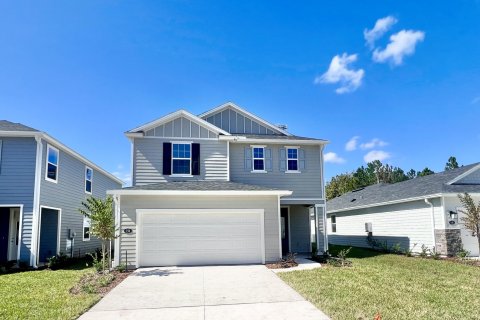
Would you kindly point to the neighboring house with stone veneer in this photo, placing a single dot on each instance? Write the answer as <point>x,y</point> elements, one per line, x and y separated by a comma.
<point>421,211</point>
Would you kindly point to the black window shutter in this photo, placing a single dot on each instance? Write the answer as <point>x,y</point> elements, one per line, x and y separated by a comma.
<point>195,159</point>
<point>167,158</point>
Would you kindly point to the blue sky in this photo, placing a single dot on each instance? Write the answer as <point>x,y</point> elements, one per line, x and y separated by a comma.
<point>85,72</point>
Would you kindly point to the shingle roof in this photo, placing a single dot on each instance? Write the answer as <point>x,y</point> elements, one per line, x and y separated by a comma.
<point>418,187</point>
<point>276,136</point>
<point>201,185</point>
<point>11,126</point>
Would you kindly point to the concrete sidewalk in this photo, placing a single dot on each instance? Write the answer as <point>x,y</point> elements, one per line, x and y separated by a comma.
<point>211,292</point>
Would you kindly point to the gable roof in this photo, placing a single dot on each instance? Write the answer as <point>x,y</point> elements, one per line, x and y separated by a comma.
<point>12,126</point>
<point>417,188</point>
<point>174,115</point>
<point>245,112</point>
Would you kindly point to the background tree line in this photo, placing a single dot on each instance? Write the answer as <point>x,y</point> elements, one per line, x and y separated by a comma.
<point>376,172</point>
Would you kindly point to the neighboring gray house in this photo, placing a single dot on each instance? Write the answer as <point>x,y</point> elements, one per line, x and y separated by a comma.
<point>421,211</point>
<point>224,187</point>
<point>42,185</point>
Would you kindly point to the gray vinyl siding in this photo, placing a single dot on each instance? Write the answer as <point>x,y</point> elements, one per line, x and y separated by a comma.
<point>148,160</point>
<point>181,128</point>
<point>307,184</point>
<point>129,205</point>
<point>299,229</point>
<point>406,223</point>
<point>68,193</point>
<point>17,181</point>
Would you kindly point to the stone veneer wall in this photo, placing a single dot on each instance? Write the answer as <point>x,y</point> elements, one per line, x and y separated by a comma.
<point>448,241</point>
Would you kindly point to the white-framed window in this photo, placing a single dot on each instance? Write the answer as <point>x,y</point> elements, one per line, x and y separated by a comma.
<point>88,180</point>
<point>51,170</point>
<point>258,158</point>
<point>181,158</point>
<point>333,221</point>
<point>86,229</point>
<point>292,159</point>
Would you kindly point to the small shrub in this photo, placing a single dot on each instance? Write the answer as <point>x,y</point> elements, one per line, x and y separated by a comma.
<point>97,262</point>
<point>409,252</point>
<point>424,251</point>
<point>22,264</point>
<point>89,288</point>
<point>58,261</point>
<point>341,259</point>
<point>314,250</point>
<point>105,280</point>
<point>435,254</point>
<point>462,254</point>
<point>396,248</point>
<point>122,267</point>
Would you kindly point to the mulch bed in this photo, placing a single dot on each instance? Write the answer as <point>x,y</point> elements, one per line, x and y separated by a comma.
<point>92,280</point>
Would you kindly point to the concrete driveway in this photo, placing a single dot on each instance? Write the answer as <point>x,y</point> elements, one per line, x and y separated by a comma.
<point>211,292</point>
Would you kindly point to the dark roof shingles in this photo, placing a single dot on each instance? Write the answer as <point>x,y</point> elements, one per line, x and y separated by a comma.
<point>201,185</point>
<point>418,187</point>
<point>11,126</point>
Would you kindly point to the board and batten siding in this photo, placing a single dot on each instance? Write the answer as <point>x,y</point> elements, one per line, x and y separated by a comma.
<point>235,122</point>
<point>68,194</point>
<point>306,184</point>
<point>406,223</point>
<point>181,127</point>
<point>148,160</point>
<point>129,205</point>
<point>17,182</point>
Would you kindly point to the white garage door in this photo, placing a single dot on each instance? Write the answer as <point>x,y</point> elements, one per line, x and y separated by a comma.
<point>197,237</point>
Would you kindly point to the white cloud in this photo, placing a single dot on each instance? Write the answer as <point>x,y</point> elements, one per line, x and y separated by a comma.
<point>376,155</point>
<point>351,145</point>
<point>339,72</point>
<point>332,157</point>
<point>401,44</point>
<point>374,143</point>
<point>381,27</point>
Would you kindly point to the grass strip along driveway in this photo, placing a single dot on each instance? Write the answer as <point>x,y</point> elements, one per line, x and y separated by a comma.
<point>44,294</point>
<point>394,286</point>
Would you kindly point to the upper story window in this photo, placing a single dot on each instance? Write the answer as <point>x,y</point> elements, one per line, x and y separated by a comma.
<point>181,158</point>
<point>258,158</point>
<point>86,228</point>
<point>333,220</point>
<point>88,180</point>
<point>51,172</point>
<point>292,159</point>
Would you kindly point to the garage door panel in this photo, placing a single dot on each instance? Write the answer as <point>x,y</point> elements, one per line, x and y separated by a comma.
<point>170,238</point>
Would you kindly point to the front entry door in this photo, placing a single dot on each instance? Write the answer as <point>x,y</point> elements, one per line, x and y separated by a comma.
<point>4,225</point>
<point>284,230</point>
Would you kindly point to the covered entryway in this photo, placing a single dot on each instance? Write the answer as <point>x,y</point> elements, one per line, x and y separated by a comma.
<point>9,233</point>
<point>49,234</point>
<point>174,237</point>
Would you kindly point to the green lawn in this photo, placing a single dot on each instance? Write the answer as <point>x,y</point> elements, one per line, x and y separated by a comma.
<point>43,294</point>
<point>395,286</point>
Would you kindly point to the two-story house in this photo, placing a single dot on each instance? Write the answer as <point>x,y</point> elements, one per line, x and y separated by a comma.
<point>42,185</point>
<point>224,187</point>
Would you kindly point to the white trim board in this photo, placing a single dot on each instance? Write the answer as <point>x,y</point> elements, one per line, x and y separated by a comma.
<point>199,193</point>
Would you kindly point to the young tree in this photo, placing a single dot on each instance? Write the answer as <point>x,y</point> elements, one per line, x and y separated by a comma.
<point>412,174</point>
<point>102,220</point>
<point>451,164</point>
<point>471,220</point>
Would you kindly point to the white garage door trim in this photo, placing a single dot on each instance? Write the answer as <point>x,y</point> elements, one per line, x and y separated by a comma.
<point>139,212</point>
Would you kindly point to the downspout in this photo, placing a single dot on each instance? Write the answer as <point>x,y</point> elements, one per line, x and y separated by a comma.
<point>118,225</point>
<point>433,221</point>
